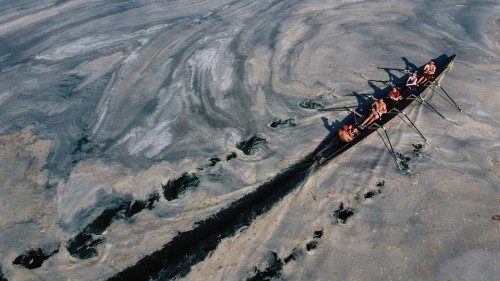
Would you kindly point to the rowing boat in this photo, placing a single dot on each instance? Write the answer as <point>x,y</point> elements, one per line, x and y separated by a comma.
<point>332,146</point>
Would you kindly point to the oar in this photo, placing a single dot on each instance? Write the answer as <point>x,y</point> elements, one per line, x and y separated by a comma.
<point>437,112</point>
<point>442,97</point>
<point>403,70</point>
<point>432,107</point>
<point>389,147</point>
<point>340,108</point>
<point>413,126</point>
<point>446,93</point>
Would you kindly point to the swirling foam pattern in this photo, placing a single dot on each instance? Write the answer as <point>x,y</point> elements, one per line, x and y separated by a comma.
<point>131,94</point>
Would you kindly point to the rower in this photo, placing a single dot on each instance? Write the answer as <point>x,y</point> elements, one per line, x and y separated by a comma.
<point>429,70</point>
<point>395,94</point>
<point>411,83</point>
<point>347,132</point>
<point>393,97</point>
<point>378,109</point>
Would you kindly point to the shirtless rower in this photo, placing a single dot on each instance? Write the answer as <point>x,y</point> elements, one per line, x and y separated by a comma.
<point>378,108</point>
<point>429,70</point>
<point>411,84</point>
<point>347,132</point>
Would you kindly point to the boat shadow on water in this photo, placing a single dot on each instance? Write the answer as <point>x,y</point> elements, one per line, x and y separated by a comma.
<point>188,248</point>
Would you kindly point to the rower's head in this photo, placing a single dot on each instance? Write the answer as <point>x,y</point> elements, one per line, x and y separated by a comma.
<point>432,61</point>
<point>414,74</point>
<point>346,127</point>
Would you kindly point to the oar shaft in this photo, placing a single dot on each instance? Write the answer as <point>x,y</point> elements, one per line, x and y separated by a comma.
<point>432,107</point>
<point>452,104</point>
<point>390,144</point>
<point>446,93</point>
<point>389,147</point>
<point>411,125</point>
<point>340,108</point>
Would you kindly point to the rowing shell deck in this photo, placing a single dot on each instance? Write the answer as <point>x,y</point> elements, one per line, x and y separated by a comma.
<point>332,146</point>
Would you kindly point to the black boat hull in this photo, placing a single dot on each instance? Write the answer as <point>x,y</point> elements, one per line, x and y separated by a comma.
<point>333,146</point>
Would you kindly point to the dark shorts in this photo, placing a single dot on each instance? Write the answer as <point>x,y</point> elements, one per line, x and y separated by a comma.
<point>428,76</point>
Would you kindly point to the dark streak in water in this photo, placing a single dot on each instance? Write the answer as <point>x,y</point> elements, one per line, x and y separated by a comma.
<point>282,122</point>
<point>174,188</point>
<point>247,146</point>
<point>342,214</point>
<point>273,269</point>
<point>190,247</point>
<point>214,161</point>
<point>296,252</point>
<point>311,104</point>
<point>311,245</point>
<point>83,245</point>
<point>34,258</point>
<point>231,155</point>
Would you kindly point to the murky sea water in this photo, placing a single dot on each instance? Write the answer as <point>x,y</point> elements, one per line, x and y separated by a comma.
<point>166,139</point>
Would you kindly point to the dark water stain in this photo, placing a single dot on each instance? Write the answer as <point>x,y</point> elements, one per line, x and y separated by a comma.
<point>176,187</point>
<point>2,276</point>
<point>295,254</point>
<point>139,205</point>
<point>231,155</point>
<point>311,245</point>
<point>34,258</point>
<point>283,122</point>
<point>275,265</point>
<point>248,146</point>
<point>272,270</point>
<point>372,193</point>
<point>83,148</point>
<point>417,149</point>
<point>406,160</point>
<point>214,161</point>
<point>311,104</point>
<point>342,214</point>
<point>187,248</point>
<point>83,245</point>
